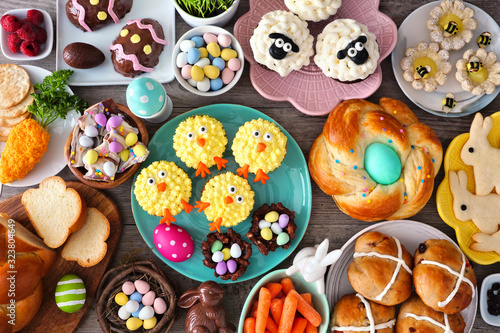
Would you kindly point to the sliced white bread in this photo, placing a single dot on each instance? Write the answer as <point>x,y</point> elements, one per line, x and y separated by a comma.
<point>88,245</point>
<point>54,210</point>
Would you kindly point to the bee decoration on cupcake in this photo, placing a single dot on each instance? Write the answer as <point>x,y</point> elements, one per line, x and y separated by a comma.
<point>422,72</point>
<point>474,65</point>
<point>355,50</point>
<point>449,102</point>
<point>450,29</point>
<point>282,46</point>
<point>484,40</point>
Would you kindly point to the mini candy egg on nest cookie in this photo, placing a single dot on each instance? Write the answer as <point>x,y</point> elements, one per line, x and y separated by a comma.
<point>259,146</point>
<point>163,189</point>
<point>199,142</point>
<point>70,293</point>
<point>226,200</point>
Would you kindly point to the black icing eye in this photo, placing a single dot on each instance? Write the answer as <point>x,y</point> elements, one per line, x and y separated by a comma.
<point>232,189</point>
<point>151,181</point>
<point>162,174</point>
<point>256,134</point>
<point>279,42</point>
<point>190,136</point>
<point>268,136</point>
<point>471,150</point>
<point>463,207</point>
<point>352,52</point>
<point>359,46</point>
<point>239,199</point>
<point>202,130</point>
<point>287,47</point>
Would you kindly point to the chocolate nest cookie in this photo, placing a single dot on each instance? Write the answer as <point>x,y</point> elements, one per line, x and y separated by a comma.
<point>227,254</point>
<point>272,227</point>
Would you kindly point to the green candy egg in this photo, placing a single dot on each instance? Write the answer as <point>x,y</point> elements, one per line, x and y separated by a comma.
<point>70,293</point>
<point>382,163</point>
<point>216,246</point>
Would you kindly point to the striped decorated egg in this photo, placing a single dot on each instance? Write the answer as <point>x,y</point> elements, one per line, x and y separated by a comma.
<point>70,293</point>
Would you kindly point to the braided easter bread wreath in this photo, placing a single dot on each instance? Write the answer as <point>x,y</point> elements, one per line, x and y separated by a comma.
<point>358,139</point>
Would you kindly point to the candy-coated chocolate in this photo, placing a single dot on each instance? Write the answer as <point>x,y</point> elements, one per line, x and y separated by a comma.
<point>272,216</point>
<point>227,253</point>
<point>136,296</point>
<point>283,220</point>
<point>203,85</point>
<point>218,256</point>
<point>181,59</point>
<point>128,288</point>
<point>213,49</point>
<point>219,63</point>
<point>139,150</point>
<point>147,312</point>
<point>224,40</point>
<point>134,324</point>
<point>282,239</point>
<point>131,139</point>
<point>186,45</point>
<point>173,242</point>
<point>115,147</point>
<point>121,299</point>
<point>142,286</point>
<point>209,38</point>
<point>235,251</point>
<point>136,313</point>
<point>186,72</point>
<point>132,306</point>
<point>266,233</point>
<point>221,268</point>
<point>193,55</point>
<point>114,122</point>
<point>231,266</point>
<point>382,163</point>
<point>197,73</point>
<point>216,246</point>
<point>227,75</point>
<point>149,323</point>
<point>264,224</point>
<point>192,82</point>
<point>124,155</point>
<point>234,64</point>
<point>91,157</point>
<point>149,298</point>
<point>160,306</point>
<point>101,119</point>
<point>91,131</point>
<point>85,141</point>
<point>203,52</point>
<point>123,313</point>
<point>216,84</point>
<point>276,229</point>
<point>228,54</point>
<point>211,71</point>
<point>203,62</point>
<point>198,41</point>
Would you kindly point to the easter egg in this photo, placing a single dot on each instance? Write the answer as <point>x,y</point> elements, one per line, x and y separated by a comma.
<point>266,233</point>
<point>276,229</point>
<point>264,224</point>
<point>272,216</point>
<point>181,59</point>
<point>234,64</point>
<point>149,323</point>
<point>186,45</point>
<point>109,168</point>
<point>147,312</point>
<point>142,286</point>
<point>235,251</point>
<point>282,239</point>
<point>197,73</point>
<point>128,288</point>
<point>198,41</point>
<point>209,38</point>
<point>131,139</point>
<point>203,52</point>
<point>227,54</point>
<point>159,305</point>
<point>227,253</point>
<point>193,55</point>
<point>85,141</point>
<point>211,71</point>
<point>101,119</point>
<point>139,150</point>
<point>231,266</point>
<point>91,157</point>
<point>114,122</point>
<point>202,63</point>
<point>173,242</point>
<point>133,324</point>
<point>218,256</point>
<point>123,313</point>
<point>124,155</point>
<point>213,49</point>
<point>227,75</point>
<point>136,313</point>
<point>149,298</point>
<point>216,246</point>
<point>224,40</point>
<point>283,220</point>
<point>70,293</point>
<point>186,72</point>
<point>115,147</point>
<point>121,299</point>
<point>145,96</point>
<point>382,163</point>
<point>136,296</point>
<point>221,268</point>
<point>219,63</point>
<point>132,306</point>
<point>91,131</point>
<point>192,82</point>
<point>216,84</point>
<point>203,85</point>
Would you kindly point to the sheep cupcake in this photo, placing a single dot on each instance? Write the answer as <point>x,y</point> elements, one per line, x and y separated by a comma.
<point>281,42</point>
<point>478,72</point>
<point>313,10</point>
<point>347,51</point>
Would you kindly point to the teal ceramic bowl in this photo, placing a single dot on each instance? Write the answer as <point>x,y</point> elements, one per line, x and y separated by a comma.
<point>320,302</point>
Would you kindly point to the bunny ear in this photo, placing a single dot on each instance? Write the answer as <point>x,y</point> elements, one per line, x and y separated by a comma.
<point>454,183</point>
<point>462,179</point>
<point>477,123</point>
<point>189,298</point>
<point>322,250</point>
<point>331,258</point>
<point>487,124</point>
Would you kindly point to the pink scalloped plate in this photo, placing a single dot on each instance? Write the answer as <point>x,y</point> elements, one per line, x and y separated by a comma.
<point>308,89</point>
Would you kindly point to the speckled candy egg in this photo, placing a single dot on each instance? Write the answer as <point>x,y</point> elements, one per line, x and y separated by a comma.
<point>70,293</point>
<point>173,242</point>
<point>145,96</point>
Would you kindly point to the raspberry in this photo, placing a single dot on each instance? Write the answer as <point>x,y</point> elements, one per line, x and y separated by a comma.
<point>31,49</point>
<point>41,35</point>
<point>26,32</point>
<point>13,41</point>
<point>10,23</point>
<point>35,16</point>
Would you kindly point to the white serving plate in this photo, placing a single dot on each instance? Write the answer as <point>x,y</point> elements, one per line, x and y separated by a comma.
<point>104,74</point>
<point>410,234</point>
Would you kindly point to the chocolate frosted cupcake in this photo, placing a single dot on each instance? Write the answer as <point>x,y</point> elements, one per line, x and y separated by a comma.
<point>272,227</point>
<point>227,254</point>
<point>92,15</point>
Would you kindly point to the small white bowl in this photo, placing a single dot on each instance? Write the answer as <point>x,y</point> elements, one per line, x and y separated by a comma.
<point>219,20</point>
<point>45,48</point>
<point>483,299</point>
<point>199,31</point>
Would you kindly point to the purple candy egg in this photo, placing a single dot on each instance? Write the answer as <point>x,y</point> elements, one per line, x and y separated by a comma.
<point>101,119</point>
<point>115,147</point>
<point>221,268</point>
<point>283,220</point>
<point>231,266</point>
<point>114,122</point>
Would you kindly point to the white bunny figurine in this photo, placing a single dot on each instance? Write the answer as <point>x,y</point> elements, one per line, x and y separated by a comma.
<point>484,158</point>
<point>484,211</point>
<point>312,262</point>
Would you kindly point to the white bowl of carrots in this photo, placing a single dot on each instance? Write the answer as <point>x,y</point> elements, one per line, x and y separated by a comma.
<point>284,304</point>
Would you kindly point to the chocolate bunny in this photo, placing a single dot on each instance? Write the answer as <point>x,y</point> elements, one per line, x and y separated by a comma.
<point>207,315</point>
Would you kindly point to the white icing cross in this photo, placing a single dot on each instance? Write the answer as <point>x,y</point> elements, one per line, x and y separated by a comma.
<point>399,260</point>
<point>445,327</point>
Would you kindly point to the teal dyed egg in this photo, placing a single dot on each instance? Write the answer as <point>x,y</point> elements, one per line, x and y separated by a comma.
<point>382,163</point>
<point>70,293</point>
<point>145,97</point>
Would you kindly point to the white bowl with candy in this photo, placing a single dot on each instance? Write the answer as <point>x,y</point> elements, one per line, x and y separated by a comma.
<point>208,61</point>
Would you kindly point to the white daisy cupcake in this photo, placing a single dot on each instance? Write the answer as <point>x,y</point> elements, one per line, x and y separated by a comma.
<point>313,10</point>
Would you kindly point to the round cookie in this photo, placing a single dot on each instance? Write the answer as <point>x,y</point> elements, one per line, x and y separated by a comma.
<point>313,10</point>
<point>14,85</point>
<point>18,109</point>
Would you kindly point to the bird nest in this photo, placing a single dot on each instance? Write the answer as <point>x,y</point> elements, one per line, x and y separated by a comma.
<point>488,62</point>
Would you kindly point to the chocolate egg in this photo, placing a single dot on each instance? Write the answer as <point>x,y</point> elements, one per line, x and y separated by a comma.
<point>82,55</point>
<point>173,242</point>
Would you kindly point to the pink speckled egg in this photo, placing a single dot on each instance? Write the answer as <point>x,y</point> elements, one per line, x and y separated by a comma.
<point>209,38</point>
<point>234,64</point>
<point>142,286</point>
<point>224,40</point>
<point>186,72</point>
<point>128,288</point>
<point>159,306</point>
<point>173,242</point>
<point>227,75</point>
<point>149,298</point>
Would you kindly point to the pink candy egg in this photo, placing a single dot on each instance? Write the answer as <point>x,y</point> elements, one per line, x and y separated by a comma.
<point>224,40</point>
<point>115,147</point>
<point>160,306</point>
<point>114,122</point>
<point>227,75</point>
<point>234,64</point>
<point>149,298</point>
<point>128,288</point>
<point>142,286</point>
<point>101,119</point>
<point>173,242</point>
<point>209,38</point>
<point>186,72</point>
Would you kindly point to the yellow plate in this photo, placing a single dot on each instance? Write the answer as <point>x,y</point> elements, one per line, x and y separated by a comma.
<point>444,198</point>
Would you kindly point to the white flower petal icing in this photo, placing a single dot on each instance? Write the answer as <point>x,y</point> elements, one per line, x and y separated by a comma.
<point>313,10</point>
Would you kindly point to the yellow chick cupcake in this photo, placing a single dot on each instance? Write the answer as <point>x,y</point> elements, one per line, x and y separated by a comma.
<point>226,200</point>
<point>163,189</point>
<point>259,147</point>
<point>199,142</point>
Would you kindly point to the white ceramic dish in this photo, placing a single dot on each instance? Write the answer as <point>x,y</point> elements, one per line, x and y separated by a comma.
<point>483,298</point>
<point>414,30</point>
<point>219,20</point>
<point>410,234</point>
<point>104,74</point>
<point>199,31</point>
<point>53,160</point>
<point>45,48</point>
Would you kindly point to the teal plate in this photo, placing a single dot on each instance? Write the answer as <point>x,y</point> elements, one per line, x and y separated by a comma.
<point>289,184</point>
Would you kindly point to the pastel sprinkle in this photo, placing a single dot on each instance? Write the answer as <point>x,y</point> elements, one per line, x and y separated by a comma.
<point>390,141</point>
<point>364,177</point>
<point>401,131</point>
<point>369,201</point>
<point>364,195</point>
<point>423,180</point>
<point>365,189</point>
<point>355,167</point>
<point>381,118</point>
<point>401,179</point>
<point>342,173</point>
<point>383,129</point>
<point>337,161</point>
<point>419,167</point>
<point>395,111</point>
<point>412,147</point>
<point>352,151</point>
<point>428,176</point>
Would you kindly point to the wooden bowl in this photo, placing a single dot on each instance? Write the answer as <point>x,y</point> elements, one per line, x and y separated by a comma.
<point>120,178</point>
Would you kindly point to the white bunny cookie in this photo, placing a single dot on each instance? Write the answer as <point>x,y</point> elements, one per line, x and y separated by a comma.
<point>484,211</point>
<point>485,159</point>
<point>486,243</point>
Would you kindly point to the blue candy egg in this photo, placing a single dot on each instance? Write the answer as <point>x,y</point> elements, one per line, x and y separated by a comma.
<point>382,163</point>
<point>145,96</point>
<point>198,41</point>
<point>216,84</point>
<point>219,63</point>
<point>136,314</point>
<point>136,296</point>
<point>193,55</point>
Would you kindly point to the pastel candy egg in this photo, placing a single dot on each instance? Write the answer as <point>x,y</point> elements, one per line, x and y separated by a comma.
<point>213,49</point>
<point>211,72</point>
<point>382,163</point>
<point>264,224</point>
<point>149,323</point>
<point>266,233</point>
<point>124,155</point>
<point>218,256</point>
<point>128,288</point>
<point>101,119</point>
<point>203,62</point>
<point>219,63</point>
<point>197,73</point>
<point>123,313</point>
<point>209,38</point>
<point>235,251</point>
<point>149,298</point>
<point>216,246</point>
<point>203,85</point>
<point>198,41</point>
<point>203,52</point>
<point>133,324</point>
<point>221,268</point>
<point>231,266</point>
<point>159,305</point>
<point>186,72</point>
<point>193,55</point>
<point>115,121</point>
<point>272,216</point>
<point>186,45</point>
<point>227,253</point>
<point>85,141</point>
<point>91,157</point>
<point>121,299</point>
<point>234,64</point>
<point>139,150</point>
<point>227,54</point>
<point>142,286</point>
<point>192,82</point>
<point>173,242</point>
<point>276,229</point>
<point>282,239</point>
<point>70,293</point>
<point>147,312</point>
<point>131,139</point>
<point>216,84</point>
<point>91,131</point>
<point>132,306</point>
<point>145,97</point>
<point>224,40</point>
<point>136,313</point>
<point>227,75</point>
<point>181,59</point>
<point>283,220</point>
<point>115,147</point>
<point>136,296</point>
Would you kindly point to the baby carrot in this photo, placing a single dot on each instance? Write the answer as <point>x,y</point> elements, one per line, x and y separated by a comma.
<point>299,325</point>
<point>310,328</point>
<point>271,325</point>
<point>276,309</point>
<point>307,297</point>
<point>274,288</point>
<point>288,314</point>
<point>287,285</point>
<point>249,325</point>
<point>262,310</point>
<point>306,309</point>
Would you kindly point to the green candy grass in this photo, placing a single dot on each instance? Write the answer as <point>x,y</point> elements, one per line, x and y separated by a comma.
<point>205,8</point>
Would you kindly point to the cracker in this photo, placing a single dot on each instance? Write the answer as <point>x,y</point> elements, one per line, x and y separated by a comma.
<point>14,85</point>
<point>13,121</point>
<point>18,109</point>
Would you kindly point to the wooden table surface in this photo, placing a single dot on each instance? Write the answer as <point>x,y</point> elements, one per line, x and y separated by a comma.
<point>326,218</point>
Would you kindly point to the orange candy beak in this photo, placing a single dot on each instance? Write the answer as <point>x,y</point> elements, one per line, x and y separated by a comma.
<point>161,187</point>
<point>228,200</point>
<point>200,142</point>
<point>261,147</point>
